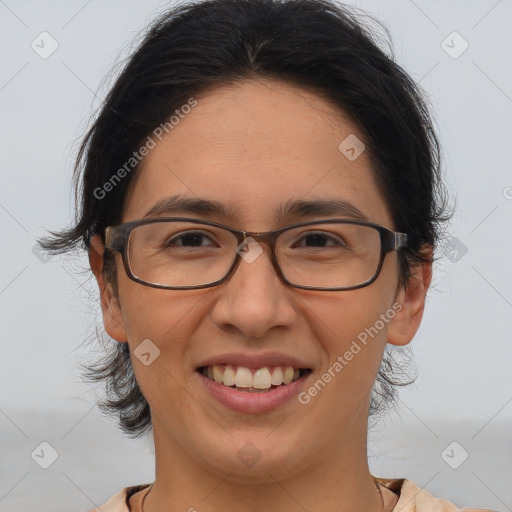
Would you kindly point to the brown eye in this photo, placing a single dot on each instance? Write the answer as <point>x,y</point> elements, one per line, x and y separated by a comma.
<point>188,239</point>
<point>321,240</point>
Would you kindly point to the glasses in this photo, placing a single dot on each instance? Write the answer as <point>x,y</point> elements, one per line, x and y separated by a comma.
<point>182,253</point>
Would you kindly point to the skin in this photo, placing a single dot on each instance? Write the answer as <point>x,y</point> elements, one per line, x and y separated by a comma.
<point>253,145</point>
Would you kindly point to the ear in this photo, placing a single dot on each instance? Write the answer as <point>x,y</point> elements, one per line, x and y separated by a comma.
<point>407,320</point>
<point>111,309</point>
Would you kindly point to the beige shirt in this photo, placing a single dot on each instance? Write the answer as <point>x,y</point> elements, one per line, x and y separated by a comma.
<point>411,499</point>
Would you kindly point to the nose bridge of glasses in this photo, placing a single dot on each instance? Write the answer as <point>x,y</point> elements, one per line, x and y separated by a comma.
<point>247,252</point>
<point>261,237</point>
<point>266,241</point>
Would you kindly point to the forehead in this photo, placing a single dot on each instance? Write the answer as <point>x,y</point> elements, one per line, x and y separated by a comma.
<point>255,147</point>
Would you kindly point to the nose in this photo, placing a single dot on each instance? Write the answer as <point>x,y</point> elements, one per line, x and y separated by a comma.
<point>254,299</point>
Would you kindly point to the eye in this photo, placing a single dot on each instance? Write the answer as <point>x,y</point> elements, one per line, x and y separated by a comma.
<point>319,239</point>
<point>189,239</point>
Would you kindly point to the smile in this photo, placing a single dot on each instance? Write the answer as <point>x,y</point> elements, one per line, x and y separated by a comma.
<point>249,380</point>
<point>236,387</point>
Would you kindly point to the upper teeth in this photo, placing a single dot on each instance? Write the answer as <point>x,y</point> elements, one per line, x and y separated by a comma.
<point>262,378</point>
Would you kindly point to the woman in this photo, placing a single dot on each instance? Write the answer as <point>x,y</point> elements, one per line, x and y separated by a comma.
<point>260,199</point>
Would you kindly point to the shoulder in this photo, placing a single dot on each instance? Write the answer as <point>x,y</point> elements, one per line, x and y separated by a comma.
<point>415,499</point>
<point>119,502</point>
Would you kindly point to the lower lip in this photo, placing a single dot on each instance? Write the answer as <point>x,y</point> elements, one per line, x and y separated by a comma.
<point>253,403</point>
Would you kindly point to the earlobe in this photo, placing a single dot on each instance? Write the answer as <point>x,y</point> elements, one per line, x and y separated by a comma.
<point>406,322</point>
<point>110,307</point>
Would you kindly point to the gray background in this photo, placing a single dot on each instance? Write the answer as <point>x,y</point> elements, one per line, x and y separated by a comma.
<point>463,350</point>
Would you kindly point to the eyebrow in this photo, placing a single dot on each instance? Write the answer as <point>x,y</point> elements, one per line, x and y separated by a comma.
<point>295,208</point>
<point>200,206</point>
<point>329,206</point>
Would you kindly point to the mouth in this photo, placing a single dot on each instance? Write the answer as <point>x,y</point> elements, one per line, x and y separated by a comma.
<point>253,380</point>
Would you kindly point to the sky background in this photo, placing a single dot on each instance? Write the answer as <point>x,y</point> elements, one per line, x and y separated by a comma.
<point>459,51</point>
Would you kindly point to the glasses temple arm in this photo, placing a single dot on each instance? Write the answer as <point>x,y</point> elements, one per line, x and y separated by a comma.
<point>399,240</point>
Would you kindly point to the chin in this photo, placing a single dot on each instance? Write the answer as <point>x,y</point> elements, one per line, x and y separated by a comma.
<point>255,459</point>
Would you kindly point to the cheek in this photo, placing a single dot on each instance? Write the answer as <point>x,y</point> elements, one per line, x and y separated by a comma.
<point>353,326</point>
<point>154,313</point>
<point>168,320</point>
<point>347,320</point>
<point>353,337</point>
<point>346,316</point>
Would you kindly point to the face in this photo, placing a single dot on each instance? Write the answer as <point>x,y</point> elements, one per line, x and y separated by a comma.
<point>253,147</point>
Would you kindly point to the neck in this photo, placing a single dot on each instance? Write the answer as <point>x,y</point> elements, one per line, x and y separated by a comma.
<point>339,480</point>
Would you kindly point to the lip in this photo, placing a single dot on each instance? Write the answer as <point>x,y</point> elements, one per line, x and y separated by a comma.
<point>253,362</point>
<point>253,403</point>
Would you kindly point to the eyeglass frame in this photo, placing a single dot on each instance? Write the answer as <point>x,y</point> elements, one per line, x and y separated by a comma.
<point>117,238</point>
